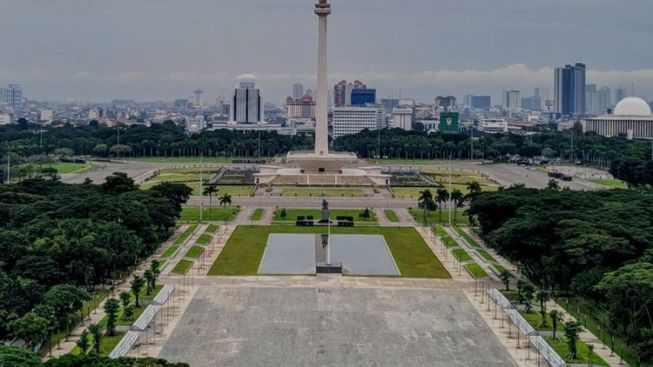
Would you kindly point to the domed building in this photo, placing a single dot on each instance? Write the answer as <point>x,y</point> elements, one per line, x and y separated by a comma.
<point>632,118</point>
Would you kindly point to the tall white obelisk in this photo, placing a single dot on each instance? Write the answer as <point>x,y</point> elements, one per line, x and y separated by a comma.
<point>322,10</point>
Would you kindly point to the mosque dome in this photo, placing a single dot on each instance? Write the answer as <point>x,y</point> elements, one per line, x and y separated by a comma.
<point>632,106</point>
<point>246,78</point>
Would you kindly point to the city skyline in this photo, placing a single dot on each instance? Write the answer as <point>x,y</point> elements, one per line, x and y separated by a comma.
<point>108,53</point>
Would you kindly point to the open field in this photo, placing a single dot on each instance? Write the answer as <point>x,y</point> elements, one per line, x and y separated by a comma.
<point>611,183</point>
<point>321,192</point>
<point>330,327</point>
<point>187,159</point>
<point>244,250</point>
<point>475,270</point>
<point>65,167</point>
<point>192,214</point>
<point>182,267</point>
<point>292,214</point>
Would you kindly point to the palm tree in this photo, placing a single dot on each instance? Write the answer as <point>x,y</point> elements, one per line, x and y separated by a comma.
<point>149,279</point>
<point>225,200</point>
<point>473,188</point>
<point>210,190</point>
<point>96,332</point>
<point>505,277</point>
<point>553,185</point>
<point>458,199</point>
<point>136,285</point>
<point>555,318</point>
<point>543,297</point>
<point>425,201</point>
<point>442,197</point>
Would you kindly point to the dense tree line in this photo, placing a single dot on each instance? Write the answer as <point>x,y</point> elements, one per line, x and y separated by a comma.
<point>15,357</point>
<point>60,241</point>
<point>627,160</point>
<point>595,245</point>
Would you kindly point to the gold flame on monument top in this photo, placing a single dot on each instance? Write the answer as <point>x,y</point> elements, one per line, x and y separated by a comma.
<point>323,2</point>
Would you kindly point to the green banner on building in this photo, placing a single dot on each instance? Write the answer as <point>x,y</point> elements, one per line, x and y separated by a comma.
<point>449,122</point>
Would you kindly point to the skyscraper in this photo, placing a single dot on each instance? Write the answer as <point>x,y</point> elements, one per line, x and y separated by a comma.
<point>363,96</point>
<point>298,91</point>
<point>592,100</point>
<point>446,103</point>
<point>570,89</point>
<point>14,97</point>
<point>342,94</point>
<point>512,100</point>
<point>246,107</point>
<point>605,100</point>
<point>619,94</point>
<point>197,98</point>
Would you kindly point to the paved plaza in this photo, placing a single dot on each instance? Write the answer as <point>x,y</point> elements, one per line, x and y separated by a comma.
<point>242,326</point>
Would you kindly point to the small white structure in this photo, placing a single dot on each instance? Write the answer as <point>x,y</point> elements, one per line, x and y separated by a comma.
<point>5,119</point>
<point>493,126</point>
<point>402,118</point>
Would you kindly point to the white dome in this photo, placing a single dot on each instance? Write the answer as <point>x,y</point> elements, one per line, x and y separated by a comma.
<point>632,106</point>
<point>246,77</point>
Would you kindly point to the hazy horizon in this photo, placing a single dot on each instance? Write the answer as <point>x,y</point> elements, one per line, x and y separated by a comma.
<point>91,50</point>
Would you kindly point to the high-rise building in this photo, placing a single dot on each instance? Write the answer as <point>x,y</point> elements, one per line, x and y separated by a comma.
<point>619,94</point>
<point>446,103</point>
<point>363,96</point>
<point>570,89</point>
<point>480,102</point>
<point>197,98</point>
<point>352,120</point>
<point>592,100</point>
<point>298,91</point>
<point>300,108</point>
<point>511,100</point>
<point>605,100</point>
<point>402,118</point>
<point>533,103</point>
<point>14,97</point>
<point>246,107</point>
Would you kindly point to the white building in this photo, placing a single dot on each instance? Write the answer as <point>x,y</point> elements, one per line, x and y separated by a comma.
<point>198,100</point>
<point>246,107</point>
<point>493,126</point>
<point>402,118</point>
<point>632,118</point>
<point>46,116</point>
<point>5,119</point>
<point>352,120</point>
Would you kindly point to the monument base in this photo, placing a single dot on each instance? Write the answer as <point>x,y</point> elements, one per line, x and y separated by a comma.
<point>324,268</point>
<point>311,163</point>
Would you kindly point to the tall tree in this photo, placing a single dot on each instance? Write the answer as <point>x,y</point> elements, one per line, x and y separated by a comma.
<point>225,200</point>
<point>442,198</point>
<point>96,331</point>
<point>111,308</point>
<point>82,342</point>
<point>458,199</point>
<point>572,333</point>
<point>210,190</point>
<point>543,297</point>
<point>136,285</point>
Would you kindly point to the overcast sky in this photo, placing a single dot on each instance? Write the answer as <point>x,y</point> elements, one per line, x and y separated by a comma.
<point>97,50</point>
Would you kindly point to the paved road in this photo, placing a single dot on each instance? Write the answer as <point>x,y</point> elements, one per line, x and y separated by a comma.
<point>287,202</point>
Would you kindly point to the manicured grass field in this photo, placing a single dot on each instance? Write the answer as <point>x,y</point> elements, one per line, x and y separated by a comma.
<point>204,239</point>
<point>461,254</point>
<point>612,183</point>
<point>475,270</point>
<point>434,216</point>
<point>235,191</point>
<point>184,236</point>
<point>192,214</point>
<point>65,167</point>
<point>391,215</point>
<point>211,228</point>
<point>486,255</point>
<point>321,192</point>
<point>467,237</point>
<point>535,320</point>
<point>169,251</point>
<point>410,192</point>
<point>244,250</point>
<point>257,214</point>
<point>292,214</point>
<point>561,347</point>
<point>182,267</point>
<point>188,159</point>
<point>500,268</point>
<point>194,252</point>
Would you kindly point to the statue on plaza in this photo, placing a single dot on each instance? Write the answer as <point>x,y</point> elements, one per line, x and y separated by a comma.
<point>325,205</point>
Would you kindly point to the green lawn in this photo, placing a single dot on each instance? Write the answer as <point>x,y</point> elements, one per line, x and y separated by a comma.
<point>244,250</point>
<point>321,192</point>
<point>169,251</point>
<point>194,252</point>
<point>434,217</point>
<point>292,214</point>
<point>204,239</point>
<point>65,167</point>
<point>148,297</point>
<point>561,347</point>
<point>188,159</point>
<point>184,236</point>
<point>391,215</point>
<point>182,267</point>
<point>467,237</point>
<point>211,228</point>
<point>256,215</point>
<point>106,345</point>
<point>461,254</point>
<point>500,268</point>
<point>192,214</point>
<point>535,320</point>
<point>486,255</point>
<point>475,270</point>
<point>612,183</point>
<point>444,237</point>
